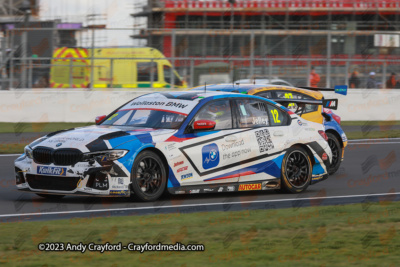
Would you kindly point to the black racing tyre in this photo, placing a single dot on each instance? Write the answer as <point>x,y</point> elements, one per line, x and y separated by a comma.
<point>50,196</point>
<point>296,170</point>
<point>148,177</point>
<point>336,153</point>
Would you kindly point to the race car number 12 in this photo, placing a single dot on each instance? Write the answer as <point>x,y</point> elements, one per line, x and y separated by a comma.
<point>275,115</point>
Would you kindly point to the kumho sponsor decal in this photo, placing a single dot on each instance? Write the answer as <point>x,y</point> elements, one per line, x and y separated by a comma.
<point>248,187</point>
<point>51,170</point>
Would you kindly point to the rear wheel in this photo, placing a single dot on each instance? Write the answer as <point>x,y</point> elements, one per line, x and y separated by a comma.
<point>336,153</point>
<point>50,196</point>
<point>296,170</point>
<point>148,177</point>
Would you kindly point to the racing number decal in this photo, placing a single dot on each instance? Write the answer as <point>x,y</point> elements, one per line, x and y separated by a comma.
<point>289,96</point>
<point>275,115</point>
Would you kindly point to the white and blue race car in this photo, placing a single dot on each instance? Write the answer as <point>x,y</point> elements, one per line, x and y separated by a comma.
<point>180,142</point>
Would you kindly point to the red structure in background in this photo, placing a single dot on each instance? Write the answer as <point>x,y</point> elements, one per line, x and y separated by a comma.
<point>213,18</point>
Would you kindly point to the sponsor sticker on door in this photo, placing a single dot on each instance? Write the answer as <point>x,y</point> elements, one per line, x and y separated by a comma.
<point>210,156</point>
<point>248,187</point>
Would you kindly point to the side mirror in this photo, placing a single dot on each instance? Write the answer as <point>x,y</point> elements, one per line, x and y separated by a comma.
<point>100,118</point>
<point>204,125</point>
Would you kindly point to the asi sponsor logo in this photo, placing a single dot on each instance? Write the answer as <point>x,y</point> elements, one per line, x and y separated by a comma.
<point>248,187</point>
<point>119,192</point>
<point>187,176</point>
<point>51,170</point>
<point>299,122</point>
<point>210,156</point>
<point>178,163</point>
<point>182,169</point>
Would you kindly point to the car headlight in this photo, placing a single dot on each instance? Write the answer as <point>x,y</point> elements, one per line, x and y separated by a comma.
<point>28,152</point>
<point>108,155</point>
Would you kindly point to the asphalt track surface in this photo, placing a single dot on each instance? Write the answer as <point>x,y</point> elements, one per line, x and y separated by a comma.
<point>369,173</point>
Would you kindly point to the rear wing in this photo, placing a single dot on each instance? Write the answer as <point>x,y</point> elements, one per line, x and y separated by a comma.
<point>326,103</point>
<point>339,89</point>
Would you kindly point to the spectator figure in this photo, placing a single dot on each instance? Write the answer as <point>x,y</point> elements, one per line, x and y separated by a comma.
<point>314,78</point>
<point>392,82</point>
<point>371,82</point>
<point>354,81</point>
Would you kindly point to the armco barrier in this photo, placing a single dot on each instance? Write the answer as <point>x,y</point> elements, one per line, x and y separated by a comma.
<point>72,105</point>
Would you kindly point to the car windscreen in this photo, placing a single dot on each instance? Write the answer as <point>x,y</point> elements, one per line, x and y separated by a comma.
<point>147,118</point>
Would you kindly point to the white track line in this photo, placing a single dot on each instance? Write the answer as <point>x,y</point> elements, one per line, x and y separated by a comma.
<point>189,205</point>
<point>9,155</point>
<point>380,143</point>
<point>355,140</point>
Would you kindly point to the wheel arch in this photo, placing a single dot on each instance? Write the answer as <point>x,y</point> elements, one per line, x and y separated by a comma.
<point>337,135</point>
<point>308,150</point>
<point>161,155</point>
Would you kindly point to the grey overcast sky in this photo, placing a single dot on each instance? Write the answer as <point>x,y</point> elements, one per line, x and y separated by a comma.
<point>113,13</point>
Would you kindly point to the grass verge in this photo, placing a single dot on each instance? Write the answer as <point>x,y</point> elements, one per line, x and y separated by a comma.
<point>25,127</point>
<point>350,235</point>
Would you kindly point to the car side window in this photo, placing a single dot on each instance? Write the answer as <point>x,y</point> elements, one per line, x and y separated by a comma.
<point>267,94</point>
<point>278,117</point>
<point>252,113</point>
<point>294,107</point>
<point>218,111</point>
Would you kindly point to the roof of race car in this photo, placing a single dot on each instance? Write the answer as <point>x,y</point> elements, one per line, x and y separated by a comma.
<point>182,102</point>
<point>252,89</point>
<point>195,95</point>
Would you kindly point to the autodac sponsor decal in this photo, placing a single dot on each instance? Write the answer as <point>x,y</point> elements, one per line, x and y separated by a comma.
<point>248,187</point>
<point>210,154</point>
<point>264,140</point>
<point>187,176</point>
<point>51,170</point>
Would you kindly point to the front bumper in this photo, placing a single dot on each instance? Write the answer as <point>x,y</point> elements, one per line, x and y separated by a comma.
<point>84,178</point>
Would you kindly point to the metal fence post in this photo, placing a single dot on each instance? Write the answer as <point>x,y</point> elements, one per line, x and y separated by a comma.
<point>252,54</point>
<point>12,32</point>
<point>384,75</point>
<point>173,42</point>
<point>71,82</point>
<point>308,71</point>
<point>270,69</point>
<point>346,74</point>
<point>111,73</point>
<point>92,62</point>
<point>3,63</point>
<point>30,74</point>
<point>151,73</point>
<point>328,62</point>
<point>24,43</point>
<point>191,73</point>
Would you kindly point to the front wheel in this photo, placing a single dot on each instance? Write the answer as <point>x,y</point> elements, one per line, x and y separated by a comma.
<point>336,153</point>
<point>296,170</point>
<point>148,177</point>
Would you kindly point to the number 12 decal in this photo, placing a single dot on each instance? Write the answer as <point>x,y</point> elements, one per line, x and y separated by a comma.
<point>275,115</point>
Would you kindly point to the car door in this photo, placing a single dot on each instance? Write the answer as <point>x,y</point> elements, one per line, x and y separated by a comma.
<point>205,150</point>
<point>265,128</point>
